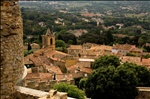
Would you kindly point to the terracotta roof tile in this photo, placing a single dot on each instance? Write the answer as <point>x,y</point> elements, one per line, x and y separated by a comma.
<point>64,77</point>
<point>79,67</point>
<point>75,47</point>
<point>27,60</point>
<point>41,76</point>
<point>35,46</point>
<point>146,62</point>
<point>42,56</point>
<point>130,59</point>
<point>53,69</point>
<point>135,49</point>
<point>123,46</point>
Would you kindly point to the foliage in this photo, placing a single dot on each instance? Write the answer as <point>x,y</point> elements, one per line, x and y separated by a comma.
<point>29,47</point>
<point>110,79</point>
<point>62,49</point>
<point>130,54</point>
<point>26,52</point>
<point>105,61</point>
<point>63,35</point>
<point>60,43</point>
<point>146,56</point>
<point>108,82</point>
<point>142,74</point>
<point>35,12</point>
<point>147,48</point>
<point>72,90</point>
<point>82,83</point>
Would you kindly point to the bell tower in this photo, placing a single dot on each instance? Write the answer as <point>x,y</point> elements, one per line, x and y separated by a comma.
<point>48,40</point>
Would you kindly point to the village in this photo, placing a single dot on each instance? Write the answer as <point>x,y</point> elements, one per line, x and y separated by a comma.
<point>53,50</point>
<point>47,66</point>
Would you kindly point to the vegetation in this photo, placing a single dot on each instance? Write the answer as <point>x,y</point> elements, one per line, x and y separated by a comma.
<point>105,61</point>
<point>110,79</point>
<point>26,52</point>
<point>130,54</point>
<point>82,83</point>
<point>72,90</point>
<point>134,16</point>
<point>146,56</point>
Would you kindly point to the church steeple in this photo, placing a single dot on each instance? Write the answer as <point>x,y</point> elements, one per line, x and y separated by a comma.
<point>48,33</point>
<point>48,40</point>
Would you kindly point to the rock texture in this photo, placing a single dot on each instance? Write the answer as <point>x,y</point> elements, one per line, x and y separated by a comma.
<point>11,60</point>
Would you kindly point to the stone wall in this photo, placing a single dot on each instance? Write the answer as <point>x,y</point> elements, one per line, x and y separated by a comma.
<point>11,59</point>
<point>44,85</point>
<point>144,93</point>
<point>27,93</point>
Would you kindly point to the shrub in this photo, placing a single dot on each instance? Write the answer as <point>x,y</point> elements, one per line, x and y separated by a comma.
<point>72,90</point>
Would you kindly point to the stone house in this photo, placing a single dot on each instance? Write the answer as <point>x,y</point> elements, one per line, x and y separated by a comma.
<point>97,51</point>
<point>122,49</point>
<point>78,32</point>
<point>79,72</point>
<point>35,46</point>
<point>75,50</point>
<point>136,51</point>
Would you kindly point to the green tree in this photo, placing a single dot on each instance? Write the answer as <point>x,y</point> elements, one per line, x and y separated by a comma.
<point>142,74</point>
<point>29,47</point>
<point>130,54</point>
<point>82,83</point>
<point>146,56</point>
<point>109,37</point>
<point>112,80</point>
<point>72,90</point>
<point>111,83</point>
<point>105,61</point>
<point>60,43</point>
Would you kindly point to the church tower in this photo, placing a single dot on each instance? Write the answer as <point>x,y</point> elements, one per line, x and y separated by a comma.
<point>48,40</point>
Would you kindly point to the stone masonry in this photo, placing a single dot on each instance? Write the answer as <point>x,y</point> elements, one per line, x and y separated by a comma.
<point>11,50</point>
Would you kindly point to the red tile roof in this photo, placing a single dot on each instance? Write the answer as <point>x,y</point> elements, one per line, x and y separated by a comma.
<point>78,66</point>
<point>146,62</point>
<point>130,59</point>
<point>42,56</point>
<point>40,76</point>
<point>135,49</point>
<point>123,46</point>
<point>53,69</point>
<point>64,77</point>
<point>75,47</point>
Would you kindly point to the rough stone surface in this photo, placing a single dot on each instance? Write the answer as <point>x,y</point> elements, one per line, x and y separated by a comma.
<point>27,93</point>
<point>11,51</point>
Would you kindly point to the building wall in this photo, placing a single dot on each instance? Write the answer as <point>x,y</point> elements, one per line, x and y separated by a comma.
<point>70,62</point>
<point>11,59</point>
<point>144,93</point>
<point>115,51</point>
<point>46,41</point>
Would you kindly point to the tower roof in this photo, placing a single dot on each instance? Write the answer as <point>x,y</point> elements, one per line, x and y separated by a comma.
<point>48,32</point>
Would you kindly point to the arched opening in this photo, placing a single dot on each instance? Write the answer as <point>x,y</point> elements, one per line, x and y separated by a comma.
<point>51,41</point>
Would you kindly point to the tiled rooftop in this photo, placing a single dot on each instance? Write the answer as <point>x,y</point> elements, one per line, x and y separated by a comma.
<point>123,46</point>
<point>130,59</point>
